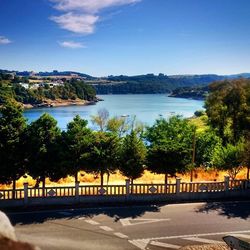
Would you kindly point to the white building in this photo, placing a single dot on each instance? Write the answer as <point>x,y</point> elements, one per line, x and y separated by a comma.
<point>25,85</point>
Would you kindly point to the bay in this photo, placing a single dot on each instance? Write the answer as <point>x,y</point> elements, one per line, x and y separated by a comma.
<point>147,108</point>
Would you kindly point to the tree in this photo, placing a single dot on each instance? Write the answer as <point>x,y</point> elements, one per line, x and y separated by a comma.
<point>238,109</point>
<point>168,159</point>
<point>124,125</point>
<point>118,125</point>
<point>42,135</point>
<point>229,158</point>
<point>104,154</point>
<point>170,146</point>
<point>77,141</point>
<point>206,144</point>
<point>228,109</point>
<point>12,127</point>
<point>132,157</point>
<point>101,119</point>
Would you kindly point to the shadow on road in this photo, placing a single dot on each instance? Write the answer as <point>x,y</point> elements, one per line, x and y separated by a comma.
<point>116,213</point>
<point>228,209</point>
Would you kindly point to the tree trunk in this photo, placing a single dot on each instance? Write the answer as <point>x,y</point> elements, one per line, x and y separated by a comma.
<point>43,185</point>
<point>108,175</point>
<point>191,175</point>
<point>76,176</point>
<point>102,173</point>
<point>14,189</point>
<point>193,157</point>
<point>166,183</point>
<point>248,172</point>
<point>132,185</point>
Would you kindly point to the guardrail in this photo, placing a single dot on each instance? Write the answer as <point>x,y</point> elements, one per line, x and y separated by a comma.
<point>124,190</point>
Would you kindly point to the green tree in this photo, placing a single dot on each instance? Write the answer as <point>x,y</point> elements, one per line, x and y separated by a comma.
<point>6,93</point>
<point>124,125</point>
<point>228,109</point>
<point>238,109</point>
<point>206,144</point>
<point>229,158</point>
<point>77,141</point>
<point>132,157</point>
<point>42,135</point>
<point>101,119</point>
<point>12,127</point>
<point>118,125</point>
<point>104,154</point>
<point>170,146</point>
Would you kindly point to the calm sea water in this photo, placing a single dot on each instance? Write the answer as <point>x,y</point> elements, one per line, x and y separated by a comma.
<point>147,108</point>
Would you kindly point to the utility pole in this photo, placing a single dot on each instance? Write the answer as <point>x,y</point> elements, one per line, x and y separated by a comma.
<point>193,155</point>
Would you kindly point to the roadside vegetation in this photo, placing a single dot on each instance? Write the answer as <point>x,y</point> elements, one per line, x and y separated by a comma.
<point>218,141</point>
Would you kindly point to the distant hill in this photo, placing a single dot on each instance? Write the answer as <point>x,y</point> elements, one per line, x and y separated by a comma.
<point>46,74</point>
<point>191,80</point>
<point>197,93</point>
<point>150,83</point>
<point>64,73</point>
<point>139,84</point>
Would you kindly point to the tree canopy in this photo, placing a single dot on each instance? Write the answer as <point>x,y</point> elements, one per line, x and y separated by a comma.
<point>228,109</point>
<point>170,146</point>
<point>41,137</point>
<point>77,141</point>
<point>104,154</point>
<point>12,127</point>
<point>132,156</point>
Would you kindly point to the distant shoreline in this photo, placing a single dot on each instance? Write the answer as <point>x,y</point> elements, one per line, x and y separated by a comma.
<point>188,97</point>
<point>60,103</point>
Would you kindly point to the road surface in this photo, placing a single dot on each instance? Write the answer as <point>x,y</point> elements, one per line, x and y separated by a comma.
<point>149,227</point>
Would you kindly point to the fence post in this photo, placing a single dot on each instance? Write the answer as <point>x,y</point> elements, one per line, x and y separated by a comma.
<point>178,185</point>
<point>25,188</point>
<point>127,186</point>
<point>77,197</point>
<point>226,180</point>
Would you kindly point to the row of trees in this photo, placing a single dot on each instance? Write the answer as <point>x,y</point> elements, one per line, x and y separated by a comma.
<point>42,150</point>
<point>169,147</point>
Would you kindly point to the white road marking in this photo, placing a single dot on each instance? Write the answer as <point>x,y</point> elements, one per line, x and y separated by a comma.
<point>105,228</point>
<point>202,240</point>
<point>166,245</point>
<point>120,235</point>
<point>140,243</point>
<point>92,222</point>
<point>246,236</point>
<point>65,213</point>
<point>126,222</point>
<point>81,218</point>
<point>196,235</point>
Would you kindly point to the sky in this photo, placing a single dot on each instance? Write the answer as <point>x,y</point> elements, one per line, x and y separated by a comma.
<point>130,37</point>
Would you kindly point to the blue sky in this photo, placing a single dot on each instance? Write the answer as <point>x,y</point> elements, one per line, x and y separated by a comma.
<point>104,37</point>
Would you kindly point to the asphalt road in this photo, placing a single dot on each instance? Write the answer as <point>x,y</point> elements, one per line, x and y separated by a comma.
<point>134,227</point>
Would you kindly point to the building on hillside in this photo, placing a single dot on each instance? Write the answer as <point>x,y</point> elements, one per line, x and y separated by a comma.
<point>24,85</point>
